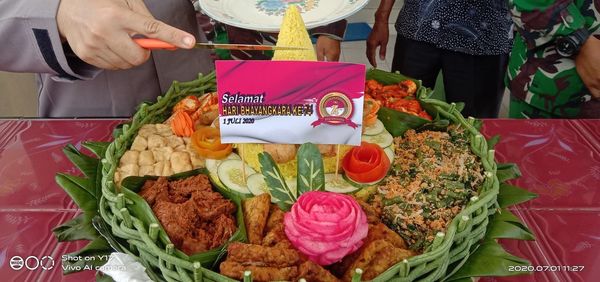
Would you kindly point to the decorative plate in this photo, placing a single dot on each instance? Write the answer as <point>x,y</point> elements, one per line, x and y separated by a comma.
<point>267,15</point>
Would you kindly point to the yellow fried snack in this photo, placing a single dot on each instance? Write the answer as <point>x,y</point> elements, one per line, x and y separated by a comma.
<point>293,33</point>
<point>288,169</point>
<point>256,211</point>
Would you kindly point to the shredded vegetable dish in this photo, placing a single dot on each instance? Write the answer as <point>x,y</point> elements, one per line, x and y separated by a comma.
<point>434,175</point>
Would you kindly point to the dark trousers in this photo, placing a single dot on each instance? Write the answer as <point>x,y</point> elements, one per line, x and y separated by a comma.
<point>478,81</point>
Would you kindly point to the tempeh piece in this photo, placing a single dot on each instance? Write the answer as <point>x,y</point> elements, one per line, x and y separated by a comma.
<point>315,273</point>
<point>236,270</point>
<point>247,254</point>
<point>256,211</point>
<point>376,258</point>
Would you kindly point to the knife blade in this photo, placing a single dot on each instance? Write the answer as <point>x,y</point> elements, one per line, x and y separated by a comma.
<point>156,44</point>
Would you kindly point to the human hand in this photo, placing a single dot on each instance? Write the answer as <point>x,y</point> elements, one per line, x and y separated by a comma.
<point>328,48</point>
<point>587,63</point>
<point>100,31</point>
<point>378,38</point>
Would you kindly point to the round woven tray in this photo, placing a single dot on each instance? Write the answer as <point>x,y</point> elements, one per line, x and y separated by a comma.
<point>448,252</point>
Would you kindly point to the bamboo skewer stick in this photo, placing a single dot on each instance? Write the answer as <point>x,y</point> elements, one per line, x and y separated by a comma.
<point>337,162</point>
<point>243,155</point>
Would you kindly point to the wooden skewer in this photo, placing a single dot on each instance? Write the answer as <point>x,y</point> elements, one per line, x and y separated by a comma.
<point>337,162</point>
<point>243,155</point>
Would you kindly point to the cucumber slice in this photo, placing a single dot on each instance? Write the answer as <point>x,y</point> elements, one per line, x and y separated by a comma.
<point>362,185</point>
<point>257,184</point>
<point>212,164</point>
<point>383,139</point>
<point>338,184</point>
<point>389,152</point>
<point>374,129</point>
<point>230,173</point>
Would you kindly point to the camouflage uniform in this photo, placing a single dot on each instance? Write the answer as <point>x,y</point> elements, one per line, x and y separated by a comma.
<point>543,84</point>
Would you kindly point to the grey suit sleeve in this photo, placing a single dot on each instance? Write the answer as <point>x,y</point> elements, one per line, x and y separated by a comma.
<point>31,42</point>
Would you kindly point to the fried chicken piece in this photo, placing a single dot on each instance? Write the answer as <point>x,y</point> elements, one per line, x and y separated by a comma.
<point>181,190</point>
<point>222,229</point>
<point>236,270</point>
<point>247,254</point>
<point>212,204</point>
<point>256,210</point>
<point>327,150</point>
<point>198,243</point>
<point>281,153</point>
<point>176,219</point>
<point>154,190</point>
<point>195,217</point>
<point>376,258</point>
<point>315,273</point>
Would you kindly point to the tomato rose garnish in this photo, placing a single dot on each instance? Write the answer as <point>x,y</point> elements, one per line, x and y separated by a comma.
<point>366,163</point>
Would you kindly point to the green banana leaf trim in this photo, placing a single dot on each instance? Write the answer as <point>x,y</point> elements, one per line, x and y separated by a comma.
<point>489,259</point>
<point>505,225</point>
<point>512,195</point>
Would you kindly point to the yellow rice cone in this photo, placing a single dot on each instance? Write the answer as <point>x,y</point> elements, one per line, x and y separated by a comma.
<point>293,33</point>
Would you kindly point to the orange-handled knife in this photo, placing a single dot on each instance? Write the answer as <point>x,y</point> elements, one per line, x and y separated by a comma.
<point>155,44</point>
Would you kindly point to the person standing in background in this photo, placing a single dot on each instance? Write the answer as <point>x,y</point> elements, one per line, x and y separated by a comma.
<point>467,40</point>
<point>86,62</point>
<point>554,69</point>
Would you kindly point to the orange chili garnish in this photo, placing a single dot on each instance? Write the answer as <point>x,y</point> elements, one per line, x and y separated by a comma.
<point>182,124</point>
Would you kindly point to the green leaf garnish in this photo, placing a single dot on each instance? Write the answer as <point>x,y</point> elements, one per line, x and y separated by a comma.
<point>281,193</point>
<point>310,169</point>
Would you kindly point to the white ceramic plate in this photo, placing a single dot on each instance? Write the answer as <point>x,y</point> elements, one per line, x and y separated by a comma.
<point>266,15</point>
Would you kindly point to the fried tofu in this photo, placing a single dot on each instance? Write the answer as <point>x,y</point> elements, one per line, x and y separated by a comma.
<point>256,211</point>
